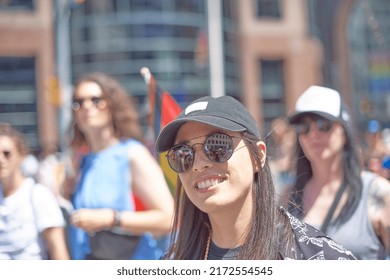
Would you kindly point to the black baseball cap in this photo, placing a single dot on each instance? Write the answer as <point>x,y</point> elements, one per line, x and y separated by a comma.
<point>223,112</point>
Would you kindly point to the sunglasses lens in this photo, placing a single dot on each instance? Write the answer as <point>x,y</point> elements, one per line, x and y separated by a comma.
<point>95,100</point>
<point>180,158</point>
<point>218,147</point>
<point>76,105</point>
<point>324,125</point>
<point>302,128</point>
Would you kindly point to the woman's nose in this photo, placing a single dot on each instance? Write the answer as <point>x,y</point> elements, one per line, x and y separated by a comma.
<point>201,162</point>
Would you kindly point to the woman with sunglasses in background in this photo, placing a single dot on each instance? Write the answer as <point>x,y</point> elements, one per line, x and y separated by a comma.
<point>115,166</point>
<point>331,192</point>
<point>225,198</point>
<point>31,222</point>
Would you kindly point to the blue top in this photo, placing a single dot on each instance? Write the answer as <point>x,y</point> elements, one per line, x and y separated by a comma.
<point>104,182</point>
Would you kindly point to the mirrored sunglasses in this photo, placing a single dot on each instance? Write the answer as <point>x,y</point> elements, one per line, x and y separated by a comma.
<point>78,102</point>
<point>217,147</point>
<point>322,124</point>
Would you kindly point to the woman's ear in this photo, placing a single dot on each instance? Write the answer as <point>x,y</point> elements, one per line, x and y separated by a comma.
<point>263,152</point>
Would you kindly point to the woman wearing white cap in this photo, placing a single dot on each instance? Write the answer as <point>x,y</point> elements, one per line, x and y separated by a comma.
<point>225,199</point>
<point>331,191</point>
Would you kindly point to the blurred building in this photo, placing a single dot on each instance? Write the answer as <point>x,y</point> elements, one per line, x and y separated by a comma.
<point>170,37</point>
<point>363,52</point>
<point>280,57</point>
<point>26,69</point>
<point>263,52</point>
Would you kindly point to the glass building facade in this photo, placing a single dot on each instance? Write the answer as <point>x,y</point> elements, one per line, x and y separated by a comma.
<point>369,42</point>
<point>18,98</point>
<point>17,5</point>
<point>169,37</point>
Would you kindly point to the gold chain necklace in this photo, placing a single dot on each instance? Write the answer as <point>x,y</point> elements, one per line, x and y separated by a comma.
<point>206,253</point>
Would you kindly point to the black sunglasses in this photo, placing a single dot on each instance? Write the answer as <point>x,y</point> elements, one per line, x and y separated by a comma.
<point>322,124</point>
<point>78,102</point>
<point>217,147</point>
<point>7,154</point>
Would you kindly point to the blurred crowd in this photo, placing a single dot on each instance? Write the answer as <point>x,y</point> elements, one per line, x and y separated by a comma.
<point>81,203</point>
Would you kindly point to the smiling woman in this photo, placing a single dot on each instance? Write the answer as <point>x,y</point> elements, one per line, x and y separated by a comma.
<point>115,166</point>
<point>225,199</point>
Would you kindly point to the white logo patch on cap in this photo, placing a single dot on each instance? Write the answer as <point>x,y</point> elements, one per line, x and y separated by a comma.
<point>198,106</point>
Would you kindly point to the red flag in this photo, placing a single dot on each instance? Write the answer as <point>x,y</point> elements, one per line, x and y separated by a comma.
<point>169,109</point>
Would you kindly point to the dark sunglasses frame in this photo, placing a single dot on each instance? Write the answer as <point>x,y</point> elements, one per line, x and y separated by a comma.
<point>78,102</point>
<point>322,124</point>
<point>217,147</point>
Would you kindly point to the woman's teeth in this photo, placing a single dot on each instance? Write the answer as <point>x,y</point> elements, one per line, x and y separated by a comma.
<point>208,183</point>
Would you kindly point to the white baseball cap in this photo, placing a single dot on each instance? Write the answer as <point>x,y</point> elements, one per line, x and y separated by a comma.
<point>322,101</point>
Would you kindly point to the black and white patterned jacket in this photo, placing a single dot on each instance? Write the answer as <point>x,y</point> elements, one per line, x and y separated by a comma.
<point>316,245</point>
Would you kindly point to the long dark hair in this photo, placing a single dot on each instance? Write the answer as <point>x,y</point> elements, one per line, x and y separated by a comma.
<point>269,234</point>
<point>352,177</point>
<point>121,105</point>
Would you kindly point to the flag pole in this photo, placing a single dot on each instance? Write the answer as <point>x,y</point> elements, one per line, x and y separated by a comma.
<point>163,108</point>
<point>154,101</point>
<point>215,38</point>
<point>145,73</point>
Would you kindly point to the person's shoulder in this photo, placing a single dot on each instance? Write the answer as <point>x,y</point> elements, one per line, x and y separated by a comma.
<point>379,179</point>
<point>136,149</point>
<point>377,184</point>
<point>367,175</point>
<point>41,192</point>
<point>132,144</point>
<point>313,244</point>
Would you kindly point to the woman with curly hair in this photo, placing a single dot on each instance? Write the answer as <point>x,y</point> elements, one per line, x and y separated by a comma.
<point>115,167</point>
